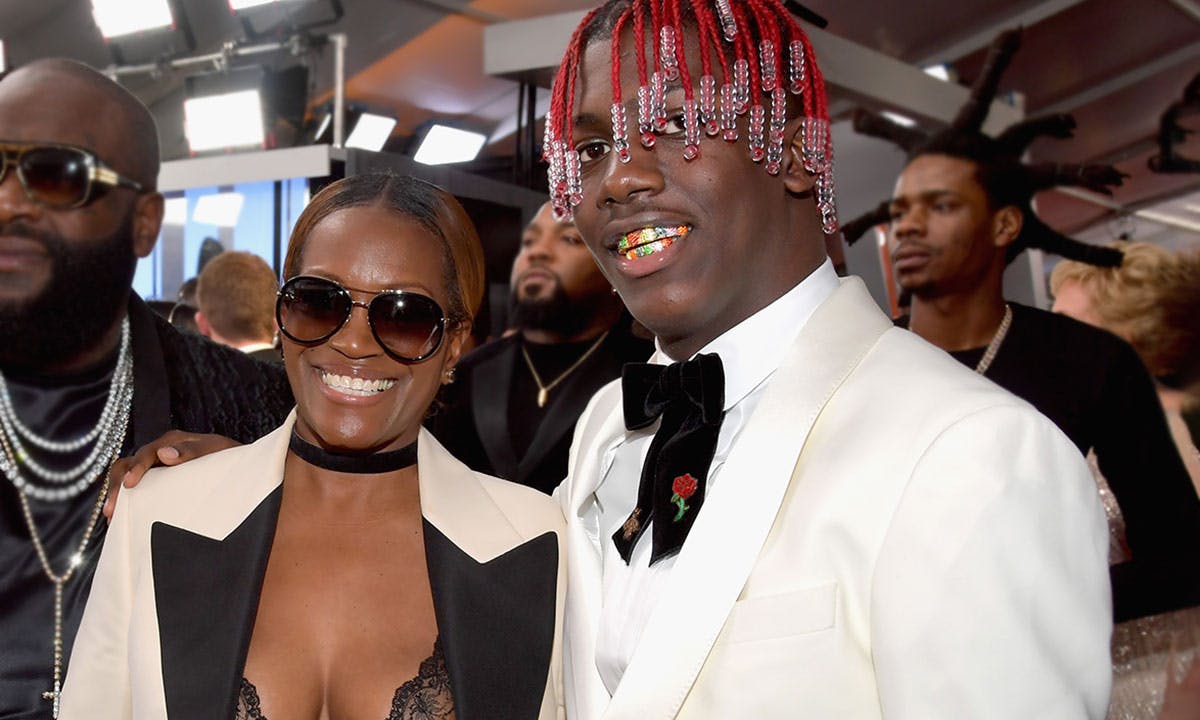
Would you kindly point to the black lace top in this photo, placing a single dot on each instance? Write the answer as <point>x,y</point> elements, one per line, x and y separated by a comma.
<point>425,697</point>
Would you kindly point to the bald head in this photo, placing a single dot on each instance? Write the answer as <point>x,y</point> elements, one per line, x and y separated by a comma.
<point>60,100</point>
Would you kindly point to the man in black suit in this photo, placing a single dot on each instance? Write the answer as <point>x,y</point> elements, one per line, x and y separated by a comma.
<point>513,406</point>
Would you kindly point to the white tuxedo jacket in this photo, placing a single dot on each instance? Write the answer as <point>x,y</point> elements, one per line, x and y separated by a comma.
<point>892,537</point>
<point>171,611</point>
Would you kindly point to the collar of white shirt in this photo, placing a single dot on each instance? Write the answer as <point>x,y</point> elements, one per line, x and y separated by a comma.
<point>751,350</point>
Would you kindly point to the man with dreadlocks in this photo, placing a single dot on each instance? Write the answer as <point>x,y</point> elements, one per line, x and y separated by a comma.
<point>961,210</point>
<point>795,508</point>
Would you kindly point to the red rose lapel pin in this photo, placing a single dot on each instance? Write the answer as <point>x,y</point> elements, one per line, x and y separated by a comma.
<point>683,487</point>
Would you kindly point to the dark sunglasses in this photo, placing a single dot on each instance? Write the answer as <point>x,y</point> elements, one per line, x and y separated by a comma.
<point>59,176</point>
<point>407,325</point>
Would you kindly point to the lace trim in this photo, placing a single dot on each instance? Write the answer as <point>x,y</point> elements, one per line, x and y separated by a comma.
<point>248,706</point>
<point>425,697</point>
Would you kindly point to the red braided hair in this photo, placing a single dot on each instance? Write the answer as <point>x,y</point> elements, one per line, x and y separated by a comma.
<point>748,41</point>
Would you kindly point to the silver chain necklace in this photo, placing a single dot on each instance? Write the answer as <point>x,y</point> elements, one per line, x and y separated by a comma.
<point>109,436</point>
<point>993,347</point>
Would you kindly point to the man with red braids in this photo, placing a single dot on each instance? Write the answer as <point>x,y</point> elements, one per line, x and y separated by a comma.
<point>795,510</point>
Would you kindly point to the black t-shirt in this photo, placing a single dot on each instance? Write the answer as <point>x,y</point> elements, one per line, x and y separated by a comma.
<point>180,381</point>
<point>58,409</point>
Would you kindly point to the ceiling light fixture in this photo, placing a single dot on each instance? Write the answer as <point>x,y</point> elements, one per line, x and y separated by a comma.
<point>941,71</point>
<point>899,119</point>
<point>371,132</point>
<point>125,17</point>
<point>443,144</point>
<point>223,121</point>
<point>236,5</point>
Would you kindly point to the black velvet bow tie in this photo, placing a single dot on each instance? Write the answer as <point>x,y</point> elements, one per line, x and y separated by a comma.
<point>690,398</point>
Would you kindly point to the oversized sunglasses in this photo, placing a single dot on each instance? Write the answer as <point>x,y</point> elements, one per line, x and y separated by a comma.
<point>409,326</point>
<point>60,176</point>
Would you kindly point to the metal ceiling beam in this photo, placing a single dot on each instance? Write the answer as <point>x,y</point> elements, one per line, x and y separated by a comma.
<point>1189,7</point>
<point>525,47</point>
<point>460,8</point>
<point>1154,216</point>
<point>983,38</point>
<point>1124,80</point>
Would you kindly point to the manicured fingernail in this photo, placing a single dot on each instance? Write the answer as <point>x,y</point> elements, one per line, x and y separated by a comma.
<point>168,453</point>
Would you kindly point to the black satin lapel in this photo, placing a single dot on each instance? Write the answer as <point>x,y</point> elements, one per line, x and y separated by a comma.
<point>206,596</point>
<point>151,414</point>
<point>496,622</point>
<point>491,382</point>
<point>573,396</point>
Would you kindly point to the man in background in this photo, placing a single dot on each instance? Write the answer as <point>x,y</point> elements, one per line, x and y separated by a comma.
<point>961,211</point>
<point>514,402</point>
<point>236,298</point>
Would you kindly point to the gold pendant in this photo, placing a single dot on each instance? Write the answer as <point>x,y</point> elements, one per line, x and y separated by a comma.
<point>542,395</point>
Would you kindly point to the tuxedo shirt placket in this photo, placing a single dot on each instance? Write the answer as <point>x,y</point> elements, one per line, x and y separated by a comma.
<point>751,351</point>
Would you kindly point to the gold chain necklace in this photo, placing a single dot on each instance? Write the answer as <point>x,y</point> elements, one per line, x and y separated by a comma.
<point>543,388</point>
<point>55,695</point>
<point>993,347</point>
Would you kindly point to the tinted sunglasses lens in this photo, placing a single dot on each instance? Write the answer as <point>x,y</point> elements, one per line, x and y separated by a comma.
<point>309,310</point>
<point>408,325</point>
<point>57,177</point>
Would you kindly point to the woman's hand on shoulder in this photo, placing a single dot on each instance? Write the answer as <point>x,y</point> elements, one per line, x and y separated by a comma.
<point>174,448</point>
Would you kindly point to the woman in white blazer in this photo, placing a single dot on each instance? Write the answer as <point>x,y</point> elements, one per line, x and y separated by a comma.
<point>345,565</point>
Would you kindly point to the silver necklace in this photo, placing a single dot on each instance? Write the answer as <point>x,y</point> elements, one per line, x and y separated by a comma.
<point>993,347</point>
<point>109,436</point>
<point>544,389</point>
<point>69,483</point>
<point>55,695</point>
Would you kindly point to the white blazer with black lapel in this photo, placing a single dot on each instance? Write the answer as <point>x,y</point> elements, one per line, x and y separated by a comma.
<point>172,608</point>
<point>891,536</point>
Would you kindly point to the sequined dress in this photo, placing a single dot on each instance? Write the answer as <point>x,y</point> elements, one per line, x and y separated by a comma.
<point>425,697</point>
<point>1146,649</point>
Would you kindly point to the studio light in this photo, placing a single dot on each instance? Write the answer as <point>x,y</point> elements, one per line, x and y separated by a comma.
<point>323,127</point>
<point>444,145</point>
<point>237,5</point>
<point>371,132</point>
<point>3,61</point>
<point>124,17</point>
<point>902,120</point>
<point>941,71</point>
<point>224,121</point>
<point>220,209</point>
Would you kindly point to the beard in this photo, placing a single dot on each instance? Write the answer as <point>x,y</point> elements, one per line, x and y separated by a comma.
<point>553,313</point>
<point>88,290</point>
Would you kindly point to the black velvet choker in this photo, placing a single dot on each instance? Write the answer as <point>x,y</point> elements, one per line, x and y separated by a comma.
<point>363,464</point>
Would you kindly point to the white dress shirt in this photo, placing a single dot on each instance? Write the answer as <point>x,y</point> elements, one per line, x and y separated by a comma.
<point>750,352</point>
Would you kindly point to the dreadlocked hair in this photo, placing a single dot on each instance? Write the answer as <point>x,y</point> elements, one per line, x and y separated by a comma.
<point>1006,181</point>
<point>761,55</point>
